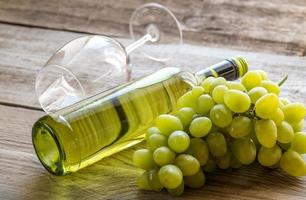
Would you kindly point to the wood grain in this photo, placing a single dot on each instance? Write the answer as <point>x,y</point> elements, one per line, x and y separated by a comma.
<point>271,26</point>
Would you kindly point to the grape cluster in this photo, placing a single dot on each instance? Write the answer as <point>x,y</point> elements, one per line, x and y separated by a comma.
<point>223,124</point>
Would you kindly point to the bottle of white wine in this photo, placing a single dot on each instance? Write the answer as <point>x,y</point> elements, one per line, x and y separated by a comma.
<point>111,121</point>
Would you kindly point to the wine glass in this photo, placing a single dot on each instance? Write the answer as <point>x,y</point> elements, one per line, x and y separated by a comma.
<point>92,64</point>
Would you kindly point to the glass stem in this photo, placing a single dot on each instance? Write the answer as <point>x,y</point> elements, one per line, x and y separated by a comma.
<point>147,37</point>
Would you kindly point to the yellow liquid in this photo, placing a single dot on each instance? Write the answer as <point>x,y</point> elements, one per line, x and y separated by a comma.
<point>108,122</point>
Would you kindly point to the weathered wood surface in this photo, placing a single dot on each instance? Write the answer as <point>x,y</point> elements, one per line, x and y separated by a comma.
<point>274,26</point>
<point>24,50</point>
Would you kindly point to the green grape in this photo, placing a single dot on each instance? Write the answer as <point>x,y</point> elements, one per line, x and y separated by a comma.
<point>284,146</point>
<point>179,141</point>
<point>187,100</point>
<point>223,162</point>
<point>143,158</point>
<point>270,86</point>
<point>168,124</point>
<point>263,74</point>
<point>294,112</point>
<point>163,156</point>
<point>155,141</point>
<point>241,126</point>
<point>170,176</point>
<point>285,101</point>
<point>200,127</point>
<point>266,106</point>
<point>251,79</point>
<point>151,131</point>
<point>297,127</point>
<point>216,82</point>
<point>197,91</point>
<point>236,86</point>
<point>278,116</point>
<point>293,163</point>
<point>198,149</point>
<point>285,132</point>
<point>244,150</point>
<point>178,191</point>
<point>185,115</point>
<point>266,132</point>
<point>269,156</point>
<point>218,93</point>
<point>216,144</point>
<point>154,180</point>
<point>235,163</point>
<point>237,101</point>
<point>210,165</point>
<point>207,83</point>
<point>298,143</point>
<point>195,181</point>
<point>204,104</point>
<point>188,164</point>
<point>143,181</point>
<point>220,115</point>
<point>257,92</point>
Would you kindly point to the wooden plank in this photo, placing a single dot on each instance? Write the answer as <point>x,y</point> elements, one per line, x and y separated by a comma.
<point>23,177</point>
<point>272,26</point>
<point>23,51</point>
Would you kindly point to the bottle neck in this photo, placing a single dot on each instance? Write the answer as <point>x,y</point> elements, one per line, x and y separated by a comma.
<point>230,69</point>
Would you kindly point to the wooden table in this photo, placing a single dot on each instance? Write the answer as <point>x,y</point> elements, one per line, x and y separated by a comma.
<point>270,34</point>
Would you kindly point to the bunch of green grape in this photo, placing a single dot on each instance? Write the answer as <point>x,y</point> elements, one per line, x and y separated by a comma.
<point>223,124</point>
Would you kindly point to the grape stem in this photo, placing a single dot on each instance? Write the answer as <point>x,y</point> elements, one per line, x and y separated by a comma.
<point>283,81</point>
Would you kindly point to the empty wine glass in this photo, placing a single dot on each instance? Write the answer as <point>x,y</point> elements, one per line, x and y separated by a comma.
<point>92,64</point>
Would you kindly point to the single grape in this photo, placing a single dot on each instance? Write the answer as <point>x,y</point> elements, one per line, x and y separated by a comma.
<point>294,112</point>
<point>178,191</point>
<point>216,144</point>
<point>179,141</point>
<point>195,181</point>
<point>293,163</point>
<point>269,156</point>
<point>200,127</point>
<point>237,101</point>
<point>155,141</point>
<point>263,74</point>
<point>210,165</point>
<point>298,143</point>
<point>218,93</point>
<point>257,92</point>
<point>244,150</point>
<point>266,106</point>
<point>197,91</point>
<point>236,86</point>
<point>266,132</point>
<point>188,164</point>
<point>198,149</point>
<point>143,181</point>
<point>285,101</point>
<point>187,100</point>
<point>216,82</point>
<point>223,162</point>
<point>297,127</point>
<point>251,79</point>
<point>143,158</point>
<point>278,116</point>
<point>207,83</point>
<point>163,156</point>
<point>235,163</point>
<point>285,132</point>
<point>204,104</point>
<point>241,126</point>
<point>270,86</point>
<point>170,176</point>
<point>151,131</point>
<point>168,124</point>
<point>154,180</point>
<point>185,115</point>
<point>220,115</point>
